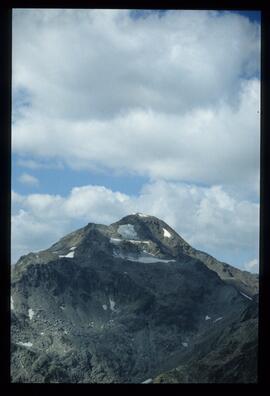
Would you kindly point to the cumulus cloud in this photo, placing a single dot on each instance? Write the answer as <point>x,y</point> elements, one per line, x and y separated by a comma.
<point>111,99</point>
<point>208,146</point>
<point>109,70</point>
<point>28,180</point>
<point>208,218</point>
<point>252,266</point>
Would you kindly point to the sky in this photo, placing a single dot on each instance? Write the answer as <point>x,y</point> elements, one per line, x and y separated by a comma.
<point>120,111</point>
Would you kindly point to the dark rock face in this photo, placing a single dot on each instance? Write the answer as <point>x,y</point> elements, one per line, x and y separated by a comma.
<point>129,302</point>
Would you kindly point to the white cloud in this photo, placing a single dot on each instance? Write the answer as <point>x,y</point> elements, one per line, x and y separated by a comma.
<point>121,68</point>
<point>28,180</point>
<point>252,266</point>
<point>30,233</point>
<point>33,164</point>
<point>214,146</point>
<point>208,218</point>
<point>110,98</point>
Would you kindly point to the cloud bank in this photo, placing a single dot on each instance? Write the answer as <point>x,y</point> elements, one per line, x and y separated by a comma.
<point>110,99</point>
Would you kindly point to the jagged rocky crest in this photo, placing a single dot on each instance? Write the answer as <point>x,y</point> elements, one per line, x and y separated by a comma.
<point>129,303</point>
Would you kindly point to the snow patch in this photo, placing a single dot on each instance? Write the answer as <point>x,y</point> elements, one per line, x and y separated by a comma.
<point>243,294</point>
<point>127,231</point>
<point>112,305</point>
<point>185,344</point>
<point>116,241</point>
<point>138,242</point>
<point>104,306</point>
<point>73,248</point>
<point>142,258</point>
<point>142,215</point>
<point>218,319</point>
<point>166,233</point>
<point>207,317</point>
<point>148,381</point>
<point>26,344</point>
<point>11,303</point>
<point>148,259</point>
<point>42,333</point>
<point>31,313</point>
<point>69,255</point>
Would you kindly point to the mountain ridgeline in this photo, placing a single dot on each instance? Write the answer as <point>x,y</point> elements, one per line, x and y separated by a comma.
<point>132,302</point>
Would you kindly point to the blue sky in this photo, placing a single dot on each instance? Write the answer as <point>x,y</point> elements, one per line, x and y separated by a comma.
<point>60,179</point>
<point>253,16</point>
<point>126,125</point>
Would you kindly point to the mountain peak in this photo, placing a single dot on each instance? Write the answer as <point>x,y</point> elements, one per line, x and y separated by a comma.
<point>151,226</point>
<point>137,216</point>
<point>135,237</point>
<point>141,214</point>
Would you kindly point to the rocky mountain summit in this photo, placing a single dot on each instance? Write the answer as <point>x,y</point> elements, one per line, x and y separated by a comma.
<point>132,302</point>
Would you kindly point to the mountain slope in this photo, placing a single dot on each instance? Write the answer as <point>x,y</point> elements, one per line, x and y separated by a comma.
<point>232,350</point>
<point>123,303</point>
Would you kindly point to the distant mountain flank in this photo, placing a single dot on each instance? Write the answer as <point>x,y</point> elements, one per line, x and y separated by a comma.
<point>131,302</point>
